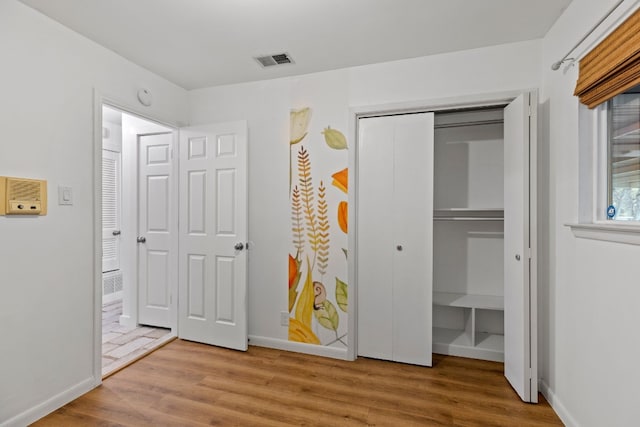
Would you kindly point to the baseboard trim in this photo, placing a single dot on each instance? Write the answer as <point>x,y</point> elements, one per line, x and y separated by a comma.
<point>297,347</point>
<point>127,321</point>
<point>564,415</point>
<point>34,414</point>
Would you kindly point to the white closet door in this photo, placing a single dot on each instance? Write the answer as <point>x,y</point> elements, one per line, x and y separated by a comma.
<point>394,237</point>
<point>519,342</point>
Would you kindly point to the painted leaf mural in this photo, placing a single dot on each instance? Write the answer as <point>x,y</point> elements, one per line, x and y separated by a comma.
<point>334,139</point>
<point>327,315</point>
<point>317,306</point>
<point>341,180</point>
<point>341,294</point>
<point>343,216</point>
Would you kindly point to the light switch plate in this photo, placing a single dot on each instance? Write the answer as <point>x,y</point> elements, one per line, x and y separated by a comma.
<point>65,195</point>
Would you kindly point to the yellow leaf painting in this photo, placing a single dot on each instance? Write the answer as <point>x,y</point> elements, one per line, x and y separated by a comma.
<point>299,332</point>
<point>299,123</point>
<point>304,307</point>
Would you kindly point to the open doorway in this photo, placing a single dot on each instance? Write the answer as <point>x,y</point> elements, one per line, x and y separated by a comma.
<point>137,169</point>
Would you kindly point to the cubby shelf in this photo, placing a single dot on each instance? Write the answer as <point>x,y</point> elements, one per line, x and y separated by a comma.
<point>454,342</point>
<point>469,342</point>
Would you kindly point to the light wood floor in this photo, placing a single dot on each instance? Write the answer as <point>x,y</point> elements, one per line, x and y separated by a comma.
<point>185,384</point>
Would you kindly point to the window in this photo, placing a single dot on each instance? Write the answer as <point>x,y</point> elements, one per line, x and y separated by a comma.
<point>608,87</point>
<point>623,156</point>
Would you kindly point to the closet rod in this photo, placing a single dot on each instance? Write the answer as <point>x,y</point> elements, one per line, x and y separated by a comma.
<point>556,65</point>
<point>467,218</point>
<point>472,123</point>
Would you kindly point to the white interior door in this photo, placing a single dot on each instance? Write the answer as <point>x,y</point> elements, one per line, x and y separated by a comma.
<point>519,343</point>
<point>394,237</point>
<point>213,235</point>
<point>156,227</point>
<point>111,214</point>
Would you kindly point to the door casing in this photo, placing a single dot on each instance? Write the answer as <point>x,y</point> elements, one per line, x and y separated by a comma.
<point>100,99</point>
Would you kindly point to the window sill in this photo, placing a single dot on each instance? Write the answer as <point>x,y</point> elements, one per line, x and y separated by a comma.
<point>619,233</point>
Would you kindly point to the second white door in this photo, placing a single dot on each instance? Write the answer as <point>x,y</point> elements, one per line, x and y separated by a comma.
<point>156,229</point>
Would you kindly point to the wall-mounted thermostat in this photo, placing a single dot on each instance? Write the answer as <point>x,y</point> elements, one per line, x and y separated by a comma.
<point>22,196</point>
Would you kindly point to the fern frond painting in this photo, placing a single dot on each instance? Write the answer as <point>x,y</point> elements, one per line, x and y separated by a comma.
<point>318,298</point>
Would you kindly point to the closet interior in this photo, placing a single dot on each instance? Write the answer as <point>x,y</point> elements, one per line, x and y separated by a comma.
<point>468,234</point>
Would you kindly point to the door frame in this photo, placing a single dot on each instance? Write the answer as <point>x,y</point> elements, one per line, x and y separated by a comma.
<point>100,99</point>
<point>434,105</point>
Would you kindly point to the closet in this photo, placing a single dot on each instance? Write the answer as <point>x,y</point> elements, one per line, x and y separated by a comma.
<point>463,181</point>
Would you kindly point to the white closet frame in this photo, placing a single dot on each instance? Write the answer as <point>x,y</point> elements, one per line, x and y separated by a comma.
<point>440,105</point>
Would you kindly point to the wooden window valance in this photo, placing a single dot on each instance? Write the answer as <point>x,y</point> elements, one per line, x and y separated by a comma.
<point>613,66</point>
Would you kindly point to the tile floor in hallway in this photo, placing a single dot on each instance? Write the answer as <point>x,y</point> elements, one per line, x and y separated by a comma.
<point>122,345</point>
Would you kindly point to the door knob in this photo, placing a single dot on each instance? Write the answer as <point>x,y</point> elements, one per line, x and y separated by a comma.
<point>116,232</point>
<point>517,257</point>
<point>142,239</point>
<point>239,246</point>
<point>399,248</point>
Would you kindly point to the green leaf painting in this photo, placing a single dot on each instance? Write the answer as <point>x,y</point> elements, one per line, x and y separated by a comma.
<point>341,294</point>
<point>327,315</point>
<point>334,138</point>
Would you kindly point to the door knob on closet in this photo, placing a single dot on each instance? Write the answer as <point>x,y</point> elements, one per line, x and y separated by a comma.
<point>141,239</point>
<point>239,246</point>
<point>517,257</point>
<point>399,248</point>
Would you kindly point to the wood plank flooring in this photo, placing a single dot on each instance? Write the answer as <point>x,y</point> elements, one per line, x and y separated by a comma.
<point>189,384</point>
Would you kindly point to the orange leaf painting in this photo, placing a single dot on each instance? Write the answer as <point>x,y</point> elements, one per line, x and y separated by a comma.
<point>341,179</point>
<point>293,270</point>
<point>343,216</point>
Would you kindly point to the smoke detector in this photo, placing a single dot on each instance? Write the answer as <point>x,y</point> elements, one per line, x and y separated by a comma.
<point>272,60</point>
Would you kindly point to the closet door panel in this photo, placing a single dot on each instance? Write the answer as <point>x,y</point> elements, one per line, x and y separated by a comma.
<point>394,237</point>
<point>413,234</point>
<point>517,339</point>
<point>374,238</point>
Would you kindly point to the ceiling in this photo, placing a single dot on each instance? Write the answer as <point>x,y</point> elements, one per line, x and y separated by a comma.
<point>201,43</point>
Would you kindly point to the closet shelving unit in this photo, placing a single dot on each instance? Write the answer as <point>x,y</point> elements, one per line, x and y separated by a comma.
<point>468,302</point>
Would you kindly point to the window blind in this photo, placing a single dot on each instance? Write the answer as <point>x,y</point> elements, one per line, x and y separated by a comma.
<point>613,66</point>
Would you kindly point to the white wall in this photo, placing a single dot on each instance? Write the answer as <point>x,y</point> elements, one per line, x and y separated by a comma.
<point>47,78</point>
<point>266,106</point>
<point>588,290</point>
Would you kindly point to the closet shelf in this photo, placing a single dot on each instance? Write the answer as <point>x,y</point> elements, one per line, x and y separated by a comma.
<point>468,214</point>
<point>451,299</point>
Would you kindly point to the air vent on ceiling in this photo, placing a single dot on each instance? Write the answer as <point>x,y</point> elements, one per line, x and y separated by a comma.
<point>271,60</point>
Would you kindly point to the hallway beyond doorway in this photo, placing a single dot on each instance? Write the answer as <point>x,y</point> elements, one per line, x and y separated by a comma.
<point>123,345</point>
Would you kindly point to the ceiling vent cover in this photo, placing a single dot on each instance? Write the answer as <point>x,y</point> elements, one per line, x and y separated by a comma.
<point>277,59</point>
